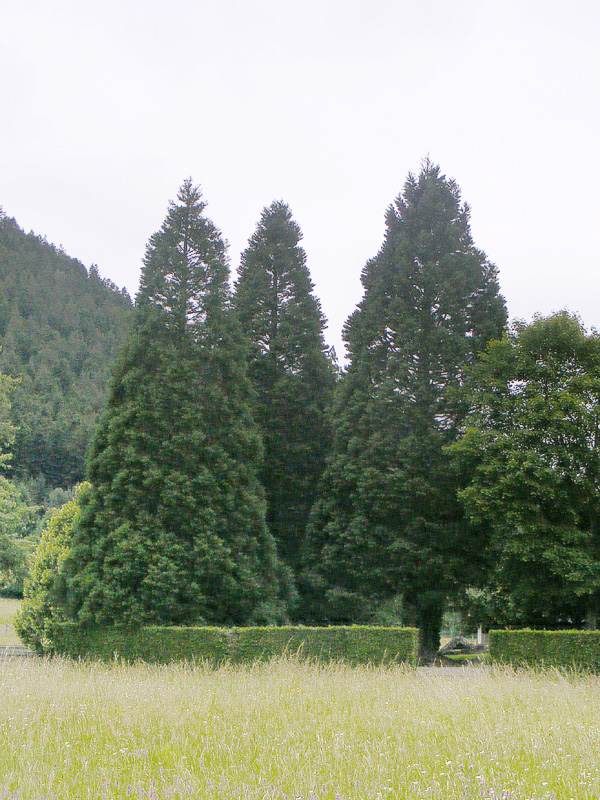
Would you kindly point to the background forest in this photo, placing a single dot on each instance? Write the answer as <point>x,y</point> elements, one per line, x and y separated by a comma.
<point>237,476</point>
<point>61,327</point>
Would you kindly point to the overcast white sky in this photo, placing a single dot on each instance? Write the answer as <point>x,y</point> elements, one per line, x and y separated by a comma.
<point>106,107</point>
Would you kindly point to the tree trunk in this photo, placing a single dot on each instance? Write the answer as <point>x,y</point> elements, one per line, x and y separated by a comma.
<point>591,617</point>
<point>430,610</point>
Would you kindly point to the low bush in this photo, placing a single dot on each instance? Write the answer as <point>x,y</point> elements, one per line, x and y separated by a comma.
<point>562,649</point>
<point>40,610</point>
<point>356,645</point>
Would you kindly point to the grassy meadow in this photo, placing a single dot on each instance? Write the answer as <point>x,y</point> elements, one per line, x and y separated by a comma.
<point>288,730</point>
<point>293,730</point>
<point>8,609</point>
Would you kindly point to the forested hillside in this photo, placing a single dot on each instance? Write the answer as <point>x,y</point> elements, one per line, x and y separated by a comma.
<point>60,329</point>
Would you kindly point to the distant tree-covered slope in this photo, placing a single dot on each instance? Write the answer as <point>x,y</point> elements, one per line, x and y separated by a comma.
<point>60,329</point>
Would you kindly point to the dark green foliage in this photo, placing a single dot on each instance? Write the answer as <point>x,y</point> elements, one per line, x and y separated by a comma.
<point>174,530</point>
<point>7,428</point>
<point>40,610</point>
<point>60,329</point>
<point>531,451</point>
<point>355,645</point>
<point>292,373</point>
<point>387,521</point>
<point>578,650</point>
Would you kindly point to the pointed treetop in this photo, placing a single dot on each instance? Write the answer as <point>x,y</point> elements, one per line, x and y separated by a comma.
<point>428,265</point>
<point>278,226</point>
<point>274,292</point>
<point>185,275</point>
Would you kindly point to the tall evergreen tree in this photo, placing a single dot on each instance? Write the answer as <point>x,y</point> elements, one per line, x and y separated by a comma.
<point>387,521</point>
<point>173,529</point>
<point>292,372</point>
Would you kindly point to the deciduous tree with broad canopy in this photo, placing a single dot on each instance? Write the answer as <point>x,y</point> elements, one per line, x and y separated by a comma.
<point>531,449</point>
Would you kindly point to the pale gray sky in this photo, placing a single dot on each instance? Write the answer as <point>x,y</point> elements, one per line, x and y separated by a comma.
<point>106,107</point>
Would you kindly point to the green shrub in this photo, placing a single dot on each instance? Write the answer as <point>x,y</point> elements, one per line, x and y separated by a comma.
<point>40,610</point>
<point>20,523</point>
<point>357,645</point>
<point>561,649</point>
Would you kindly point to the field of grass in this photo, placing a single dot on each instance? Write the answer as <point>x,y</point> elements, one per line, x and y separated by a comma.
<point>8,609</point>
<point>288,729</point>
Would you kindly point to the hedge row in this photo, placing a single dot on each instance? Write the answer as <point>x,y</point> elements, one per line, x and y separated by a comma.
<point>562,649</point>
<point>161,645</point>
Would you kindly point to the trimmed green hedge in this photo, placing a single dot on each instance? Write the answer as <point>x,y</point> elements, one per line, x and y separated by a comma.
<point>153,643</point>
<point>260,644</point>
<point>360,644</point>
<point>161,645</point>
<point>562,649</point>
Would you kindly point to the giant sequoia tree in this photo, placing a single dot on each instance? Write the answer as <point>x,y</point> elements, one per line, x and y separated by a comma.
<point>387,521</point>
<point>173,529</point>
<point>291,370</point>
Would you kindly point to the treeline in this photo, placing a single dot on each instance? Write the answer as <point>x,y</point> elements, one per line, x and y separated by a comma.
<point>237,477</point>
<point>61,328</point>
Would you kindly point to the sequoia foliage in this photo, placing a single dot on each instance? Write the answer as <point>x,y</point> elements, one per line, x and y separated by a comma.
<point>388,521</point>
<point>173,530</point>
<point>60,330</point>
<point>291,370</point>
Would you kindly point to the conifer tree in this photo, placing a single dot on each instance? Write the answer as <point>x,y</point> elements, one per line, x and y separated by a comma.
<point>291,370</point>
<point>387,521</point>
<point>173,529</point>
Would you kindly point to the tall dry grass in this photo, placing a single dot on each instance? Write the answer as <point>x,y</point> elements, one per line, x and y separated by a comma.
<point>8,609</point>
<point>294,730</point>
